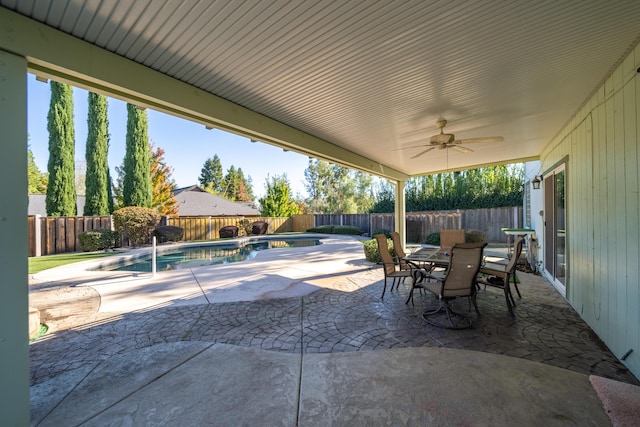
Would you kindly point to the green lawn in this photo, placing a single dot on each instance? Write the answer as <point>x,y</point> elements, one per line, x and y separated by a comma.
<point>37,264</point>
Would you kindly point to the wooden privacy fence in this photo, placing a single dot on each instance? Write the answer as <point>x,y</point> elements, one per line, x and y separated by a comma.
<point>361,221</point>
<point>53,235</point>
<point>208,227</point>
<point>492,221</point>
<point>420,224</point>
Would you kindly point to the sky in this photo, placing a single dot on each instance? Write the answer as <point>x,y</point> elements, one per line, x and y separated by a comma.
<point>187,145</point>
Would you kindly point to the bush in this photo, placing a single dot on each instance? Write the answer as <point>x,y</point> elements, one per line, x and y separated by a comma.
<point>347,229</point>
<point>325,229</point>
<point>168,233</point>
<point>98,239</point>
<point>136,223</point>
<point>336,229</point>
<point>433,239</point>
<point>371,250</point>
<point>244,225</point>
<point>381,231</point>
<point>474,236</point>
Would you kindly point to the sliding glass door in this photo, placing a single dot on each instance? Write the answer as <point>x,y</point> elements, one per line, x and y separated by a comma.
<point>555,259</point>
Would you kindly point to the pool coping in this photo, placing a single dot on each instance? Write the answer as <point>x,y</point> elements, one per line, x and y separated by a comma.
<point>236,243</point>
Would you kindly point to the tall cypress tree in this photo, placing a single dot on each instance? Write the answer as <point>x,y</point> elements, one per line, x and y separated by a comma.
<point>137,188</point>
<point>97,182</point>
<point>61,191</point>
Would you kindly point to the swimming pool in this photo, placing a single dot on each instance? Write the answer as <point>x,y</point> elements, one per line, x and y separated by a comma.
<point>183,257</point>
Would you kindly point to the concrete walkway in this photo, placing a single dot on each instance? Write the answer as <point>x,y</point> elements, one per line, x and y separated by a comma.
<point>301,337</point>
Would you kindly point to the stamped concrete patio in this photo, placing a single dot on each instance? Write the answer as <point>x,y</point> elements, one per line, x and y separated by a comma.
<point>301,337</point>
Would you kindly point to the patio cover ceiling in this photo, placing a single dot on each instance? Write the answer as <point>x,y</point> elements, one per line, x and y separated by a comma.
<point>354,82</point>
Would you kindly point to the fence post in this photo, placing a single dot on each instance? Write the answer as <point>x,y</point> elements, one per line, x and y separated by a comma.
<point>37,235</point>
<point>210,230</point>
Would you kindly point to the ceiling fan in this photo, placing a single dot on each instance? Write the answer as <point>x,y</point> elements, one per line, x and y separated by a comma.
<point>443,140</point>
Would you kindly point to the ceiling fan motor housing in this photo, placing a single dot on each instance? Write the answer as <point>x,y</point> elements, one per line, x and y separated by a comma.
<point>443,138</point>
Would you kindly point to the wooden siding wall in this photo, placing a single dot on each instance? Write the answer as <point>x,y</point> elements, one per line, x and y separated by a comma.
<point>602,154</point>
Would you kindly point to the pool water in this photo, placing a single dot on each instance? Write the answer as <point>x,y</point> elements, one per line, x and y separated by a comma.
<point>196,256</point>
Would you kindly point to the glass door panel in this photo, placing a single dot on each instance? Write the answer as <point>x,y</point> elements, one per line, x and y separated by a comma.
<point>555,261</point>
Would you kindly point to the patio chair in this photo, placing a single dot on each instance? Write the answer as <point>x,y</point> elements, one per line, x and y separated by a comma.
<point>399,250</point>
<point>500,276</point>
<point>391,267</point>
<point>459,281</point>
<point>448,238</point>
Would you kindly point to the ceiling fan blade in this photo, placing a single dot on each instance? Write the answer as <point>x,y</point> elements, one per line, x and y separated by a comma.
<point>422,152</point>
<point>461,149</point>
<point>482,139</point>
<point>412,146</point>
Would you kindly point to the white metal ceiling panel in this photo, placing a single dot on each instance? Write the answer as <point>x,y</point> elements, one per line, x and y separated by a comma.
<point>374,76</point>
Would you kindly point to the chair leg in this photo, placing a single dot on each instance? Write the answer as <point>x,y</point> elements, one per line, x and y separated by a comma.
<point>384,289</point>
<point>507,286</point>
<point>509,298</point>
<point>410,298</point>
<point>475,304</point>
<point>515,283</point>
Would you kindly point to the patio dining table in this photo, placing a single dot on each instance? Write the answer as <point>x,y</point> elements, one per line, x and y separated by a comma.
<point>430,258</point>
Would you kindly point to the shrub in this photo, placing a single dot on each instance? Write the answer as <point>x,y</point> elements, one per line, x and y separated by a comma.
<point>371,250</point>
<point>168,233</point>
<point>474,236</point>
<point>244,225</point>
<point>336,229</point>
<point>433,239</point>
<point>347,229</point>
<point>136,223</point>
<point>326,229</point>
<point>98,239</point>
<point>381,231</point>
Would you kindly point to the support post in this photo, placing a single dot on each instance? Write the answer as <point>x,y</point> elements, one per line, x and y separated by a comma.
<point>14,249</point>
<point>401,212</point>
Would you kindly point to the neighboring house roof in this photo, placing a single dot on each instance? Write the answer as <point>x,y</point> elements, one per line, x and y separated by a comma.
<point>194,201</point>
<point>38,205</point>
